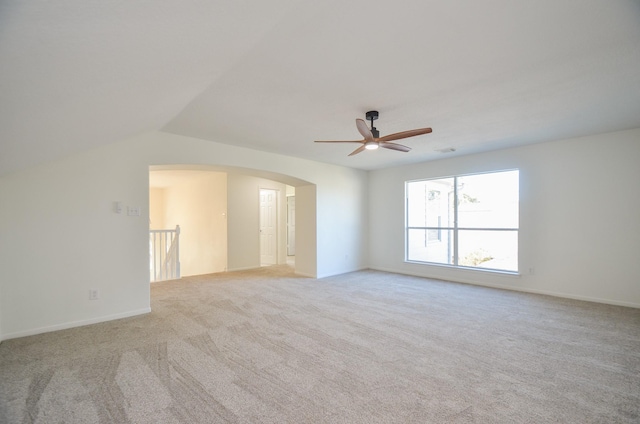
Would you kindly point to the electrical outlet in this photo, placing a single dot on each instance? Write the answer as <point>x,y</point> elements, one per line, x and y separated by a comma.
<point>94,294</point>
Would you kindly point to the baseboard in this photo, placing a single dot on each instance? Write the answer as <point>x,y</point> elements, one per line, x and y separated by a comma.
<point>341,272</point>
<point>73,324</point>
<point>520,289</point>
<point>247,268</point>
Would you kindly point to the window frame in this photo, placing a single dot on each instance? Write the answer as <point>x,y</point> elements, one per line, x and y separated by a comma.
<point>455,229</point>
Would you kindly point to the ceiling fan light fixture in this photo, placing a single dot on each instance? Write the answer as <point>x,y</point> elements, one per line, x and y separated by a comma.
<point>371,145</point>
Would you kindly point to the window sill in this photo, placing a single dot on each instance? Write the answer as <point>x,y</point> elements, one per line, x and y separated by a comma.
<point>465,268</point>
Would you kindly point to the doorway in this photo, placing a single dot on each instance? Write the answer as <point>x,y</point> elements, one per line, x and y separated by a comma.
<point>268,227</point>
<point>196,200</point>
<point>291,225</point>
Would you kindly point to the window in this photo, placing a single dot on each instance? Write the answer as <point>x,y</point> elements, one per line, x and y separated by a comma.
<point>466,221</point>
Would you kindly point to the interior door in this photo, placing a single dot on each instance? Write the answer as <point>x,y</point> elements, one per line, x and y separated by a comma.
<point>291,226</point>
<point>268,210</point>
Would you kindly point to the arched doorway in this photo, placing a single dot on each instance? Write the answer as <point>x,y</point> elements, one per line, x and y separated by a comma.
<point>242,217</point>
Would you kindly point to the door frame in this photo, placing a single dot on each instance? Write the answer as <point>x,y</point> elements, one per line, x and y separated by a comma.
<point>273,241</point>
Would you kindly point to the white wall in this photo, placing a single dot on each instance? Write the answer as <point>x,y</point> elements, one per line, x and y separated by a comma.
<point>306,219</point>
<point>345,233</point>
<point>579,209</point>
<point>60,236</point>
<point>1,332</point>
<point>340,197</point>
<point>198,203</point>
<point>244,220</point>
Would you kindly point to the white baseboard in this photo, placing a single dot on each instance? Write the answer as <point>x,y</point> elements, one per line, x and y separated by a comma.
<point>519,289</point>
<point>246,268</point>
<point>347,271</point>
<point>73,324</point>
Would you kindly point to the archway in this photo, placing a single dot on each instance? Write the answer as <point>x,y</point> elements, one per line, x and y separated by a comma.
<point>242,215</point>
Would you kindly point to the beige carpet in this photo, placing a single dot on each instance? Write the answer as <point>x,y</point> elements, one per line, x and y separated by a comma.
<point>368,347</point>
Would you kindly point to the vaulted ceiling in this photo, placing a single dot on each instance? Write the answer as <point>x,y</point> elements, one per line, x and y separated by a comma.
<point>277,75</point>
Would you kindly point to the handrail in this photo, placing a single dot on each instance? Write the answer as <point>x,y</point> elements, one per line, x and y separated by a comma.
<point>164,247</point>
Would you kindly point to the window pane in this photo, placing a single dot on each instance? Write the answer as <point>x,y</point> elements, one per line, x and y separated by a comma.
<point>430,246</point>
<point>488,200</point>
<point>488,249</point>
<point>430,203</point>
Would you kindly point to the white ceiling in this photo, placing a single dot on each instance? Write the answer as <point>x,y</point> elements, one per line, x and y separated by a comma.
<point>276,75</point>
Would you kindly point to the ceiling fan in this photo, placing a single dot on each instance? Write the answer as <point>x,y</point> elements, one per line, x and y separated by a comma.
<point>372,139</point>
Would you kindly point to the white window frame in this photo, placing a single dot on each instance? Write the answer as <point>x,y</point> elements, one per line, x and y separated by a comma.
<point>455,228</point>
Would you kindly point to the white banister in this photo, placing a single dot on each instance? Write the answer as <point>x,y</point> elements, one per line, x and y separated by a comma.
<point>164,247</point>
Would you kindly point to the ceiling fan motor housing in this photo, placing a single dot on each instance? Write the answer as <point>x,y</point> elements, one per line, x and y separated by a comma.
<point>372,115</point>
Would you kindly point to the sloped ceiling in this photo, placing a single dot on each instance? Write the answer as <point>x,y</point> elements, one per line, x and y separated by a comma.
<point>276,75</point>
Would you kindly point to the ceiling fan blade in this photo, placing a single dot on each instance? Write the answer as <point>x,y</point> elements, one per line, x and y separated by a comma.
<point>405,134</point>
<point>339,141</point>
<point>395,146</point>
<point>364,130</point>
<point>358,150</point>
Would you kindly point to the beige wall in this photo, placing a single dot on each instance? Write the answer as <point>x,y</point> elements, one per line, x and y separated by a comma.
<point>156,208</point>
<point>197,201</point>
<point>244,220</point>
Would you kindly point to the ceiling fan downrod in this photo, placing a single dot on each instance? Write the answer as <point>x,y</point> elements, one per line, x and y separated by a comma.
<point>372,115</point>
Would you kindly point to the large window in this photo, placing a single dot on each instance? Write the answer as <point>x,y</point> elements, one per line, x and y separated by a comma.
<point>464,221</point>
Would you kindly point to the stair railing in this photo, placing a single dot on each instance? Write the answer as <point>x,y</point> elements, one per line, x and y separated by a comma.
<point>164,248</point>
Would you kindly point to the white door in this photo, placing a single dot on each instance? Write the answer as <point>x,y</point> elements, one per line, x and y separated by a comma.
<point>291,226</point>
<point>268,227</point>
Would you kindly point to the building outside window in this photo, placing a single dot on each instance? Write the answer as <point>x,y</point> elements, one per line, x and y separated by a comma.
<point>466,221</point>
